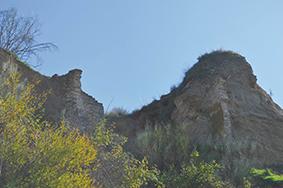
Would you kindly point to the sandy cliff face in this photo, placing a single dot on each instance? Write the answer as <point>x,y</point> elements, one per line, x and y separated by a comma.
<point>66,99</point>
<point>223,113</point>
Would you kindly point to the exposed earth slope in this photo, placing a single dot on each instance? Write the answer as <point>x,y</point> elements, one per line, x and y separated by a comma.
<point>218,109</point>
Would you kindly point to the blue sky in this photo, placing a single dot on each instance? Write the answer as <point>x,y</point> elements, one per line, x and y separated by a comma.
<point>133,51</point>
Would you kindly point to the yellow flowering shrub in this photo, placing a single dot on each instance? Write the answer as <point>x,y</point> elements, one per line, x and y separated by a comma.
<point>32,152</point>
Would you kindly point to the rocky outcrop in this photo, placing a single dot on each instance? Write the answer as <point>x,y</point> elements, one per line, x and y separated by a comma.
<point>65,97</point>
<point>223,113</point>
<point>218,109</point>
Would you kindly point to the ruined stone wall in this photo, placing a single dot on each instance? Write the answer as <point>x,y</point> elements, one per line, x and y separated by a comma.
<point>65,99</point>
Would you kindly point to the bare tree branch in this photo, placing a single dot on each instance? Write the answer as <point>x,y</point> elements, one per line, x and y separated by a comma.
<point>19,35</point>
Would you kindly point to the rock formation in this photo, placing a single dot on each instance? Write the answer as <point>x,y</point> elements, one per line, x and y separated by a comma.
<point>223,113</point>
<point>65,99</point>
<point>219,108</point>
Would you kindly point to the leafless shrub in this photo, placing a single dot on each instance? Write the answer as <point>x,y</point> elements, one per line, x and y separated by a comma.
<point>18,35</point>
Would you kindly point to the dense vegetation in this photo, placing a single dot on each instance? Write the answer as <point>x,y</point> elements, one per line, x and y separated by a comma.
<point>197,173</point>
<point>166,145</point>
<point>34,153</point>
<point>117,168</point>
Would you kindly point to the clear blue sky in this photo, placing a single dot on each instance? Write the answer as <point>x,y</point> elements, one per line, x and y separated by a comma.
<point>132,51</point>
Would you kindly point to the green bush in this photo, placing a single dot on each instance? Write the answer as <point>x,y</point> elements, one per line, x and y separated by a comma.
<point>117,168</point>
<point>267,177</point>
<point>196,174</point>
<point>247,183</point>
<point>164,145</point>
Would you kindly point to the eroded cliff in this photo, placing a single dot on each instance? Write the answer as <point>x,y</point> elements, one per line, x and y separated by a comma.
<point>218,109</point>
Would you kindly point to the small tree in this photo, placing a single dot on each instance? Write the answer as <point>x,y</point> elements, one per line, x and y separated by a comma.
<point>19,35</point>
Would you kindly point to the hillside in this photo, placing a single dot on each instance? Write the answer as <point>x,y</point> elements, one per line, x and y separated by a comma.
<point>219,110</point>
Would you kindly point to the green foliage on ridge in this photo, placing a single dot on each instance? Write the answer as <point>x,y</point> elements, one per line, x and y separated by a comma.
<point>267,176</point>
